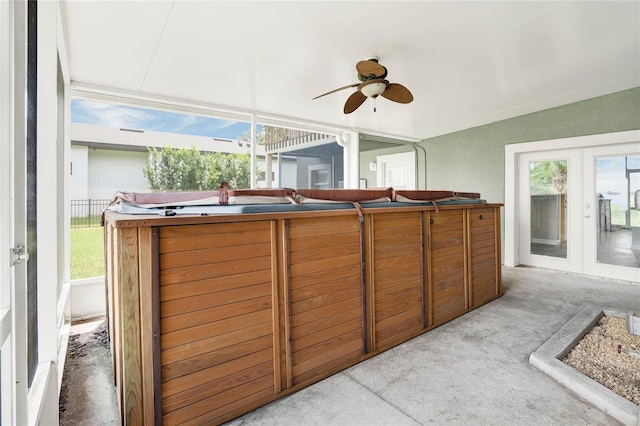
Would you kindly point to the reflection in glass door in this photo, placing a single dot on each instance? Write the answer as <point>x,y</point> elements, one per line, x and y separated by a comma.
<point>617,181</point>
<point>548,189</point>
<point>549,209</point>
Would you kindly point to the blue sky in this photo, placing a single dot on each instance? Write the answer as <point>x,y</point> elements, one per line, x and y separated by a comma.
<point>129,117</point>
<point>611,179</point>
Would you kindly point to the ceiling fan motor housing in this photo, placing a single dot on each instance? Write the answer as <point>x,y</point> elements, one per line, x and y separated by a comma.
<point>379,71</point>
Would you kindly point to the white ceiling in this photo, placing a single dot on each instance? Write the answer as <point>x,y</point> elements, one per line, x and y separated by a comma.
<point>466,63</point>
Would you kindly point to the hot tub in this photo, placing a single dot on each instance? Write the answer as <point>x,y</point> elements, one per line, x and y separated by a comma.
<point>213,313</point>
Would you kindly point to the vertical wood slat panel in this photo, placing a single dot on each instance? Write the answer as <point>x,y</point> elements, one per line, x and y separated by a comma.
<point>132,379</point>
<point>498,253</point>
<point>428,279</point>
<point>145,256</point>
<point>284,311</point>
<point>113,308</point>
<point>370,311</point>
<point>109,268</point>
<point>275,302</point>
<point>117,321</point>
<point>149,323</point>
<point>467,261</point>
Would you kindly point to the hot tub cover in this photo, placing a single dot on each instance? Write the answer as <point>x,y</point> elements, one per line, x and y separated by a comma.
<point>205,198</point>
<point>280,200</point>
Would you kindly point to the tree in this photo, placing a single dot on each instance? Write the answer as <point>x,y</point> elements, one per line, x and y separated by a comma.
<point>233,168</point>
<point>183,169</point>
<point>548,177</point>
<point>246,136</point>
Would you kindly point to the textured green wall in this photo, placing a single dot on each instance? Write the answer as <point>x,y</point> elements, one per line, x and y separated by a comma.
<point>473,159</point>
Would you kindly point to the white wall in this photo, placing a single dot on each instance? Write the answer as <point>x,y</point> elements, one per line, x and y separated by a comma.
<point>288,173</point>
<point>87,298</point>
<point>79,173</point>
<point>111,171</point>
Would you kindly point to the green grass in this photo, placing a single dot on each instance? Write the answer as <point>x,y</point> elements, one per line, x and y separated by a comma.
<point>91,220</point>
<point>87,252</point>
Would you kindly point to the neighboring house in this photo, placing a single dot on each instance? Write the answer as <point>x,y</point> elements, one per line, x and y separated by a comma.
<point>107,159</point>
<point>319,159</point>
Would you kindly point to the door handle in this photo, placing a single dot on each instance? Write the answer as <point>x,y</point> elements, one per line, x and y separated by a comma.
<point>586,216</point>
<point>19,255</point>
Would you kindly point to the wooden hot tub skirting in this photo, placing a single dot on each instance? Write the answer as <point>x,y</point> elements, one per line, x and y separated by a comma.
<point>213,316</point>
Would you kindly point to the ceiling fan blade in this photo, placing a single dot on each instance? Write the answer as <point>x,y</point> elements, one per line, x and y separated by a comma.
<point>336,90</point>
<point>371,68</point>
<point>398,93</point>
<point>354,101</point>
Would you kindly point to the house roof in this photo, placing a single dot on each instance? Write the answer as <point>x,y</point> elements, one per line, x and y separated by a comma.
<point>140,140</point>
<point>467,63</point>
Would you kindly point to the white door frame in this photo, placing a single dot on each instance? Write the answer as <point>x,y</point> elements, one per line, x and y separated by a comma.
<point>13,388</point>
<point>6,207</point>
<point>512,177</point>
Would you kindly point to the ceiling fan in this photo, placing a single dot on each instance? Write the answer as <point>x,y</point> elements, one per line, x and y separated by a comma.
<point>373,84</point>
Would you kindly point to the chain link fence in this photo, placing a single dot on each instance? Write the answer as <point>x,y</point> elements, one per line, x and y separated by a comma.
<point>86,213</point>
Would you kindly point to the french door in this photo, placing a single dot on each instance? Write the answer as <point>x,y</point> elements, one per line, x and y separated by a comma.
<point>551,228</point>
<point>611,183</point>
<point>578,212</point>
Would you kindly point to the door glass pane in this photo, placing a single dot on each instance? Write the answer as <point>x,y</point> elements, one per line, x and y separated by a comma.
<point>548,180</point>
<point>618,196</point>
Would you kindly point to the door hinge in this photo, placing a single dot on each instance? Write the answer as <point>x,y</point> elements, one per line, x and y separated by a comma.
<point>19,255</point>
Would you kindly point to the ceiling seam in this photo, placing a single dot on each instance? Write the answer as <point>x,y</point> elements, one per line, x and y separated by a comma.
<point>155,49</point>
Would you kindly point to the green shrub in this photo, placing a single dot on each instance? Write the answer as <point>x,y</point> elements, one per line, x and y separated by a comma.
<point>182,169</point>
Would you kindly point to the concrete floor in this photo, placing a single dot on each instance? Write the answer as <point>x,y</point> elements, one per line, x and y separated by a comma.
<point>88,395</point>
<point>473,370</point>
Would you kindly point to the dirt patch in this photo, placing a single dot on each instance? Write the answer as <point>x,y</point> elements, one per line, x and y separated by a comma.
<point>610,355</point>
<point>87,394</point>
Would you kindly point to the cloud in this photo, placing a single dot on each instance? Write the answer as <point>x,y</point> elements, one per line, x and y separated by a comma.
<point>123,116</point>
<point>188,120</point>
<point>105,114</point>
<point>223,124</point>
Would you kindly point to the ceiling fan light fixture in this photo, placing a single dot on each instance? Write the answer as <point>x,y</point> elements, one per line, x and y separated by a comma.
<point>373,84</point>
<point>373,90</point>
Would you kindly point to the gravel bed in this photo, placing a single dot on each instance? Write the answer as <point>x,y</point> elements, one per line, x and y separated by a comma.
<point>610,355</point>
